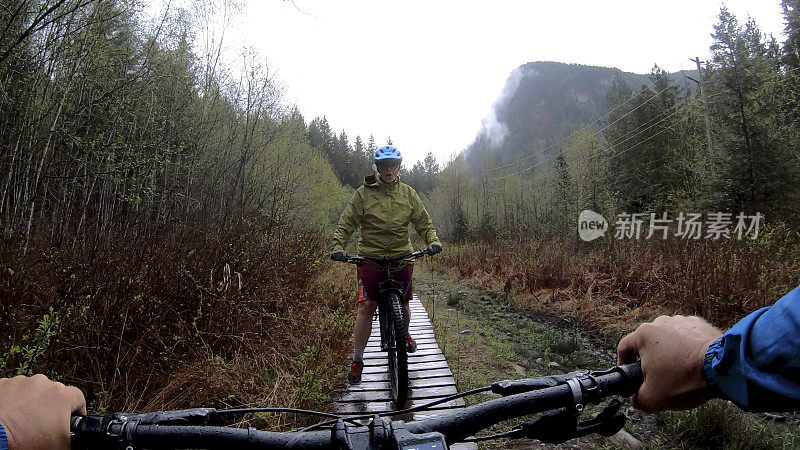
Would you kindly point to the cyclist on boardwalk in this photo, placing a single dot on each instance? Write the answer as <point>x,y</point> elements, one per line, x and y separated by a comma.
<point>383,207</point>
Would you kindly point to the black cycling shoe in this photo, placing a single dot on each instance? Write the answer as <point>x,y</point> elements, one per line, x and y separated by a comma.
<point>411,345</point>
<point>354,376</point>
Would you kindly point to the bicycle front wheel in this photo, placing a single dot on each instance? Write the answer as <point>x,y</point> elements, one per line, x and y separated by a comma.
<point>398,356</point>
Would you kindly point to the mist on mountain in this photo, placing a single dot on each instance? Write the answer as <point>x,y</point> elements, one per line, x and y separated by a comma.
<point>541,104</point>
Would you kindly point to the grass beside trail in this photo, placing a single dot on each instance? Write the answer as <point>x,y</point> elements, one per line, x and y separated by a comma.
<point>486,337</point>
<point>485,340</point>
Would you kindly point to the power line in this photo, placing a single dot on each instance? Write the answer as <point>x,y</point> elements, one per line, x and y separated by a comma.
<point>624,139</point>
<point>550,175</point>
<point>633,134</point>
<point>590,124</point>
<point>685,101</point>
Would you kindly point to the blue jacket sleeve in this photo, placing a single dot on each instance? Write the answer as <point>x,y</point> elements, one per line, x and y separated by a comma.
<point>756,364</point>
<point>3,438</point>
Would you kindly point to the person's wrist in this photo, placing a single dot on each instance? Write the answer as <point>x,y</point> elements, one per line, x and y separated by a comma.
<point>708,368</point>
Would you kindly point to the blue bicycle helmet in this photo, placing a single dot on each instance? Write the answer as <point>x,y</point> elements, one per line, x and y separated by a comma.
<point>388,153</point>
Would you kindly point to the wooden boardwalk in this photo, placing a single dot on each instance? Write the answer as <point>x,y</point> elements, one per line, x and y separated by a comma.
<point>429,376</point>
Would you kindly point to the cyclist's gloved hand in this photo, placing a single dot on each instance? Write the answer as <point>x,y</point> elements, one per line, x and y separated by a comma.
<point>434,249</point>
<point>339,255</point>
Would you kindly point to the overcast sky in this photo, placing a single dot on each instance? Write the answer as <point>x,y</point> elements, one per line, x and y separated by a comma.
<point>425,73</point>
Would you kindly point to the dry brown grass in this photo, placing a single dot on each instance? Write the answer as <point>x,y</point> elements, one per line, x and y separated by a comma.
<point>183,317</point>
<point>615,285</point>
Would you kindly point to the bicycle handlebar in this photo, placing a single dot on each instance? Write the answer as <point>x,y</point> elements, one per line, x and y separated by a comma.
<point>528,397</point>
<point>102,432</point>
<point>564,396</point>
<point>383,260</point>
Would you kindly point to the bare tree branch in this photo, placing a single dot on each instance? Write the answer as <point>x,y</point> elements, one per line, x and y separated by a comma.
<point>298,8</point>
<point>40,22</point>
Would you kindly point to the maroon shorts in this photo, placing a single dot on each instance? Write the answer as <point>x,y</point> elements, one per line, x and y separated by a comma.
<point>370,273</point>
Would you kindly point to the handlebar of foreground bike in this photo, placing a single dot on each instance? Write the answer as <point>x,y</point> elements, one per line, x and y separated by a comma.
<point>561,398</point>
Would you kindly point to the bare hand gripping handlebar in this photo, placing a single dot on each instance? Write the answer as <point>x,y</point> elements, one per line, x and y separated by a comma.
<point>561,397</point>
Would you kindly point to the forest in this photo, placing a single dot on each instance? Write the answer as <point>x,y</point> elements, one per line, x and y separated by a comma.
<point>160,213</point>
<point>728,145</point>
<point>166,217</point>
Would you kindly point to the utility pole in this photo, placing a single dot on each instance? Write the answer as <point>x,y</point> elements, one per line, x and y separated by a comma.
<point>705,110</point>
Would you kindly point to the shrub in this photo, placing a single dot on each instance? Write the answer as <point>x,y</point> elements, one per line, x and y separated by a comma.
<point>630,281</point>
<point>181,317</point>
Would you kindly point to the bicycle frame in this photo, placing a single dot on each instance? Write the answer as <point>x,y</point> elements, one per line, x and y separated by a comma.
<point>392,318</point>
<point>386,285</point>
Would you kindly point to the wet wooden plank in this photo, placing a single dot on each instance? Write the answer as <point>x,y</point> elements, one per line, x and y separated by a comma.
<point>414,323</point>
<point>426,338</point>
<point>384,376</point>
<point>364,386</point>
<point>429,345</point>
<point>421,351</point>
<point>422,343</point>
<point>432,381</point>
<point>412,359</point>
<point>433,354</point>
<point>421,332</point>
<point>412,367</point>
<point>420,327</point>
<point>414,382</point>
<point>421,366</point>
<point>382,407</point>
<point>385,395</point>
<point>419,338</point>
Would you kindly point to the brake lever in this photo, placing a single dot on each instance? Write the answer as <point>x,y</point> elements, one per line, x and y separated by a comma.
<point>607,423</point>
<point>560,425</point>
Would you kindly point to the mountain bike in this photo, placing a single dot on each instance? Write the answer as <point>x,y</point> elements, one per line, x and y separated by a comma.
<point>392,319</point>
<point>560,398</point>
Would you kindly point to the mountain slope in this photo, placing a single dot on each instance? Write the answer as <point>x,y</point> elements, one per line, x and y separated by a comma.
<point>542,103</point>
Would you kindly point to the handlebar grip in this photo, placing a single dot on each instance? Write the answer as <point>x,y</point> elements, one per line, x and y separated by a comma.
<point>75,422</point>
<point>340,256</point>
<point>633,371</point>
<point>89,432</point>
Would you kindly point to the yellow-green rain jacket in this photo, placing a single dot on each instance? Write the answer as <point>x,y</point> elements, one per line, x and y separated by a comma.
<point>384,212</point>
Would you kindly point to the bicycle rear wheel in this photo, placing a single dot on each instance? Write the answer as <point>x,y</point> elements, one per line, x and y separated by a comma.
<point>398,356</point>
